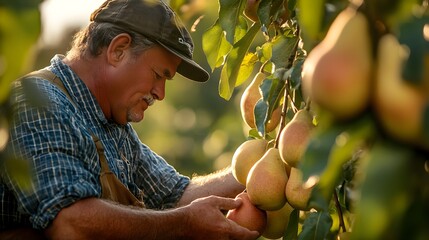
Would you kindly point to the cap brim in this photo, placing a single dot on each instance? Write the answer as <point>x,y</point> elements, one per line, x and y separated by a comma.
<point>188,67</point>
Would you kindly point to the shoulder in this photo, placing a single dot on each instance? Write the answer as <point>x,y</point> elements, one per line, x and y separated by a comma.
<point>33,91</point>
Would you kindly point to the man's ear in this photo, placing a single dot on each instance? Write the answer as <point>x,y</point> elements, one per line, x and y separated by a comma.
<point>118,48</point>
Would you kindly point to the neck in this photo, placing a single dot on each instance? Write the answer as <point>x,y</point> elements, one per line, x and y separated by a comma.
<point>93,77</point>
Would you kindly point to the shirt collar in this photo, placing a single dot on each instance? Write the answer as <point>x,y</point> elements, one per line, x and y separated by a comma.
<point>79,92</point>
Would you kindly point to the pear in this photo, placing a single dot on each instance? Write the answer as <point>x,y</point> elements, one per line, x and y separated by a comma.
<point>277,222</point>
<point>337,72</point>
<point>251,10</point>
<point>245,156</point>
<point>248,100</point>
<point>247,215</point>
<point>297,195</point>
<point>267,180</point>
<point>399,105</point>
<point>294,137</point>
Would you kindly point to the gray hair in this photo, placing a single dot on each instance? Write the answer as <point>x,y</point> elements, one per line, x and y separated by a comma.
<point>91,40</point>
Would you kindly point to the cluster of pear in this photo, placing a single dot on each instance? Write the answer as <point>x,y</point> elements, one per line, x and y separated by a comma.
<point>345,76</point>
<point>274,186</point>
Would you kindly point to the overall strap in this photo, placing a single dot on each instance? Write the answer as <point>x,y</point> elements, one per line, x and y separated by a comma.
<point>111,187</point>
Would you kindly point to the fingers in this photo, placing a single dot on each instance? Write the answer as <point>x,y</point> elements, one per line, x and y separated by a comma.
<point>225,203</point>
<point>242,233</point>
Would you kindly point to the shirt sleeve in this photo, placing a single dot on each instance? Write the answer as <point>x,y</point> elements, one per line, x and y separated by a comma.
<point>64,162</point>
<point>162,186</point>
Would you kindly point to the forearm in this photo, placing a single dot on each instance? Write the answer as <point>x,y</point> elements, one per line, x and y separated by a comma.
<point>99,219</point>
<point>220,183</point>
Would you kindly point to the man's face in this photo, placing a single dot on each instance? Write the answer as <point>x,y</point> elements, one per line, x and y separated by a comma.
<point>138,81</point>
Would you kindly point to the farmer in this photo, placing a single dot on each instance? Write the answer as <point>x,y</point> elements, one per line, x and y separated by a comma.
<point>92,177</point>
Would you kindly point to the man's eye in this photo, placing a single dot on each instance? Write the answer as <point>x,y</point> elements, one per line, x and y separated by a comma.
<point>157,76</point>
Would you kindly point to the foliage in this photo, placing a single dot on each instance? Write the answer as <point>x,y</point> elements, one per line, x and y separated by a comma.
<point>367,182</point>
<point>19,30</point>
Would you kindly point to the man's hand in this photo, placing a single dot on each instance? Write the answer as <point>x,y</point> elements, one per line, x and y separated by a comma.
<point>205,220</point>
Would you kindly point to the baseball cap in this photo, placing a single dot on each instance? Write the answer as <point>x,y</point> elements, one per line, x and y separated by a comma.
<point>157,21</point>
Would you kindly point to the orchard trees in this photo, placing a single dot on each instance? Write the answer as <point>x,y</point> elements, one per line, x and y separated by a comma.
<point>349,152</point>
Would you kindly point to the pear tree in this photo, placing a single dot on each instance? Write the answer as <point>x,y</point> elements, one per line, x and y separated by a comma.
<point>359,69</point>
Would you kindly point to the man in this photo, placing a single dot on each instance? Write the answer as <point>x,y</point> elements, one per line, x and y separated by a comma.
<point>93,178</point>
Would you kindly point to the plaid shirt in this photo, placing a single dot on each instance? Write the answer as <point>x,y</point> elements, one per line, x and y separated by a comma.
<point>56,139</point>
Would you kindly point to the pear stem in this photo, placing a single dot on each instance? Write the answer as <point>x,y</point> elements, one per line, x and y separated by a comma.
<point>340,212</point>
<point>283,114</point>
<point>307,104</point>
<point>287,93</point>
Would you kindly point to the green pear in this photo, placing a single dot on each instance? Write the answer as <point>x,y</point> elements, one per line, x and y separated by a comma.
<point>247,215</point>
<point>250,97</point>
<point>337,72</point>
<point>399,105</point>
<point>277,222</point>
<point>297,194</point>
<point>245,156</point>
<point>294,137</point>
<point>267,180</point>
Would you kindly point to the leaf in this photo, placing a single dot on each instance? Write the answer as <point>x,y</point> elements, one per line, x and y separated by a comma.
<point>411,34</point>
<point>19,170</point>
<point>426,124</point>
<point>260,112</point>
<point>316,226</point>
<point>310,16</point>
<point>246,68</point>
<point>292,227</point>
<point>19,31</point>
<point>272,91</point>
<point>282,48</point>
<point>215,46</point>
<point>231,70</point>
<point>230,12</point>
<point>386,191</point>
<point>264,12</point>
<point>346,145</point>
<point>295,76</point>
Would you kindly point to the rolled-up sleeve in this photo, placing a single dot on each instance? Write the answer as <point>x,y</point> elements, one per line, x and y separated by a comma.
<point>162,186</point>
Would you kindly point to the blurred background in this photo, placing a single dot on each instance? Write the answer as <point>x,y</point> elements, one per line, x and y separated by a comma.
<point>194,129</point>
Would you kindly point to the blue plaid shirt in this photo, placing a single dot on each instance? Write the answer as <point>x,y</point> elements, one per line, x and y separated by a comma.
<point>56,139</point>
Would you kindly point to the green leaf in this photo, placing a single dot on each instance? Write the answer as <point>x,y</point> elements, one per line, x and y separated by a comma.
<point>346,145</point>
<point>272,91</point>
<point>295,76</point>
<point>426,125</point>
<point>310,16</point>
<point>397,11</point>
<point>246,68</point>
<point>264,12</point>
<point>266,51</point>
<point>260,112</point>
<point>316,156</point>
<point>411,34</point>
<point>283,47</point>
<point>316,226</point>
<point>19,31</point>
<point>215,46</point>
<point>386,191</point>
<point>292,227</point>
<point>230,12</point>
<point>231,70</point>
<point>19,170</point>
